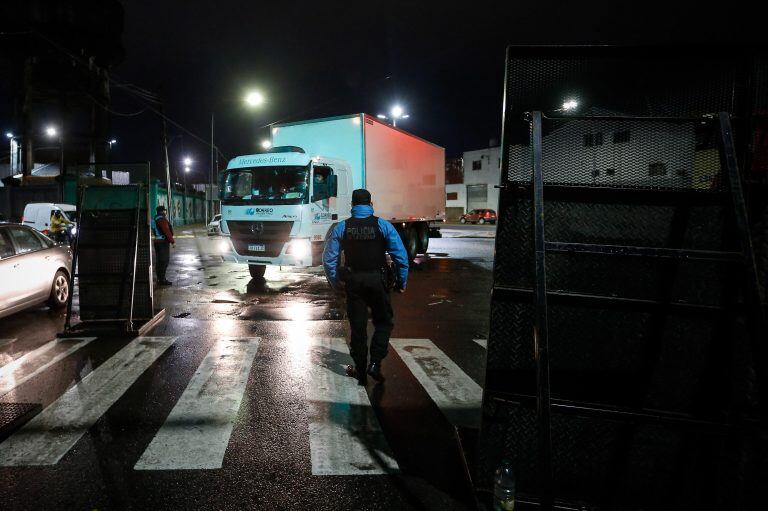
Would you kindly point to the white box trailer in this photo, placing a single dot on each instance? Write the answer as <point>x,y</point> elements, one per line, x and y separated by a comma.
<point>263,193</point>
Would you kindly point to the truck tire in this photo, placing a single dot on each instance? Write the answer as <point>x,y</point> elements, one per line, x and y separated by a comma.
<point>423,236</point>
<point>411,241</point>
<point>257,270</point>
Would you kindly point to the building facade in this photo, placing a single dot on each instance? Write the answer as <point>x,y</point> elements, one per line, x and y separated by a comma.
<point>478,187</point>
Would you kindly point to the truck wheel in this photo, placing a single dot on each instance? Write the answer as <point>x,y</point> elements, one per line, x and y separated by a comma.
<point>257,270</point>
<point>411,242</point>
<point>481,221</point>
<point>463,220</point>
<point>423,233</point>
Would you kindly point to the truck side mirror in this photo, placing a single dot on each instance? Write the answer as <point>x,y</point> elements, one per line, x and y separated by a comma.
<point>333,185</point>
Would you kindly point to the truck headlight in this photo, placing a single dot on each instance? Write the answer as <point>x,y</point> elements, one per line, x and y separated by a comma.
<point>299,248</point>
<point>224,246</point>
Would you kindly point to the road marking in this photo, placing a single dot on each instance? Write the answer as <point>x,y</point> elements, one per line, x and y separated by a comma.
<point>482,342</point>
<point>35,362</point>
<point>345,437</point>
<point>196,433</point>
<point>5,342</point>
<point>456,394</point>
<point>51,434</point>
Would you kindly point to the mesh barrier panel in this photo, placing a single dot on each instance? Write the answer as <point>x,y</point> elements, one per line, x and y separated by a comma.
<point>105,258</point>
<point>645,281</point>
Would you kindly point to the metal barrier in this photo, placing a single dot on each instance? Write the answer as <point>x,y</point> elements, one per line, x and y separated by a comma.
<point>626,367</point>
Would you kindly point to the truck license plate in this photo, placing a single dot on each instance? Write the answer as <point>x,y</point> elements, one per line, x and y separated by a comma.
<point>257,247</point>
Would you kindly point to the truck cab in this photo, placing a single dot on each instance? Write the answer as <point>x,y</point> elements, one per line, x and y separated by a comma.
<point>277,207</point>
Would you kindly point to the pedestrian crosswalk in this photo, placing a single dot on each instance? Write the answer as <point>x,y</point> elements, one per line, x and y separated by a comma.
<point>196,433</point>
<point>344,434</point>
<point>46,438</point>
<point>35,362</point>
<point>456,394</point>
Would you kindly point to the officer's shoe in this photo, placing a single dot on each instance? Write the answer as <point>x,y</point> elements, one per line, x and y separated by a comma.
<point>358,374</point>
<point>374,370</point>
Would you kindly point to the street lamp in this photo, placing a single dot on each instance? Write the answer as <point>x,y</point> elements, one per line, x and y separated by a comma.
<point>51,131</point>
<point>570,105</point>
<point>396,113</point>
<point>252,99</point>
<point>8,134</point>
<point>187,162</point>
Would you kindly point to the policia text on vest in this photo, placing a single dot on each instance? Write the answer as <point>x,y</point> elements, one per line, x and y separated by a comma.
<point>365,241</point>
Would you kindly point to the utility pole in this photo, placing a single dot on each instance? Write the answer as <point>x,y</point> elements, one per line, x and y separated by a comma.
<point>167,168</point>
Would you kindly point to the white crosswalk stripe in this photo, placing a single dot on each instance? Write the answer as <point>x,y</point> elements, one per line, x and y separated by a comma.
<point>344,434</point>
<point>51,434</point>
<point>35,362</point>
<point>196,433</point>
<point>453,391</point>
<point>7,341</point>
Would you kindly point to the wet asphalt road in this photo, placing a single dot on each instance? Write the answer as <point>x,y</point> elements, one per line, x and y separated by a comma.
<point>279,435</point>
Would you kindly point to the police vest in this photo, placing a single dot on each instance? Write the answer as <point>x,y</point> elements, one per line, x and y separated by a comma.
<point>158,233</point>
<point>364,244</point>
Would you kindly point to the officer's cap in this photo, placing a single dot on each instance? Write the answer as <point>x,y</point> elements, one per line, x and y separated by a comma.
<point>361,196</point>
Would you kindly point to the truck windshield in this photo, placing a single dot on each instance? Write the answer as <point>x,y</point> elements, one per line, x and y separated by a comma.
<point>265,185</point>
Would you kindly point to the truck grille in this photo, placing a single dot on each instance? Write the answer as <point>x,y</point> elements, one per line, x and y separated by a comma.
<point>273,235</point>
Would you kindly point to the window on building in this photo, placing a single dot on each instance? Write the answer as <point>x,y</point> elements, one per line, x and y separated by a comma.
<point>593,139</point>
<point>477,164</point>
<point>595,173</point>
<point>657,169</point>
<point>621,137</point>
<point>452,196</point>
<point>598,139</point>
<point>682,172</point>
<point>610,172</point>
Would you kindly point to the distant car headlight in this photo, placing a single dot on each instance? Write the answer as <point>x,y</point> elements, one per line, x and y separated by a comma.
<point>299,248</point>
<point>74,230</point>
<point>224,246</point>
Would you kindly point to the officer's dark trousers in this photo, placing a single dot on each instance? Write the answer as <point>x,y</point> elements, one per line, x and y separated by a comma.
<point>163,256</point>
<point>366,290</point>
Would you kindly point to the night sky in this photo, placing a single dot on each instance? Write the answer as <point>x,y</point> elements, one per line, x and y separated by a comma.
<point>443,63</point>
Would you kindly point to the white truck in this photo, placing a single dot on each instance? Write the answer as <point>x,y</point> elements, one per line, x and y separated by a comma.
<point>278,206</point>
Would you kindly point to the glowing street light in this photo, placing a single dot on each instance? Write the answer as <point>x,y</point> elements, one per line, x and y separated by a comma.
<point>187,161</point>
<point>254,98</point>
<point>112,142</point>
<point>266,144</point>
<point>570,104</point>
<point>9,134</point>
<point>51,131</point>
<point>186,169</point>
<point>396,113</point>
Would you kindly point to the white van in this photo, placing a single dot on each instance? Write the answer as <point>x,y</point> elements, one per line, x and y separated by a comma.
<point>38,215</point>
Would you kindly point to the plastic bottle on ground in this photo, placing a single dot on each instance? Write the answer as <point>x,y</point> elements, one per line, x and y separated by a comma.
<point>504,487</point>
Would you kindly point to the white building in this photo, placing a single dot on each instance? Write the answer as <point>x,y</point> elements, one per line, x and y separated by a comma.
<point>482,170</point>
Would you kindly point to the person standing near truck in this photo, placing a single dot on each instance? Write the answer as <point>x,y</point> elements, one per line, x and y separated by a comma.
<point>163,241</point>
<point>365,240</point>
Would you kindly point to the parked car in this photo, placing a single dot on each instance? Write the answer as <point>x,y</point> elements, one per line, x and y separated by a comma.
<point>38,214</point>
<point>214,227</point>
<point>479,216</point>
<point>33,270</point>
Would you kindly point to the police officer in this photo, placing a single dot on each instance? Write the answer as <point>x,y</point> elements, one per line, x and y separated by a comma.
<point>365,239</point>
<point>163,241</point>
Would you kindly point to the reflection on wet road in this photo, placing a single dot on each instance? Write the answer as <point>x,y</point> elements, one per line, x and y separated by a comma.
<point>241,396</point>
